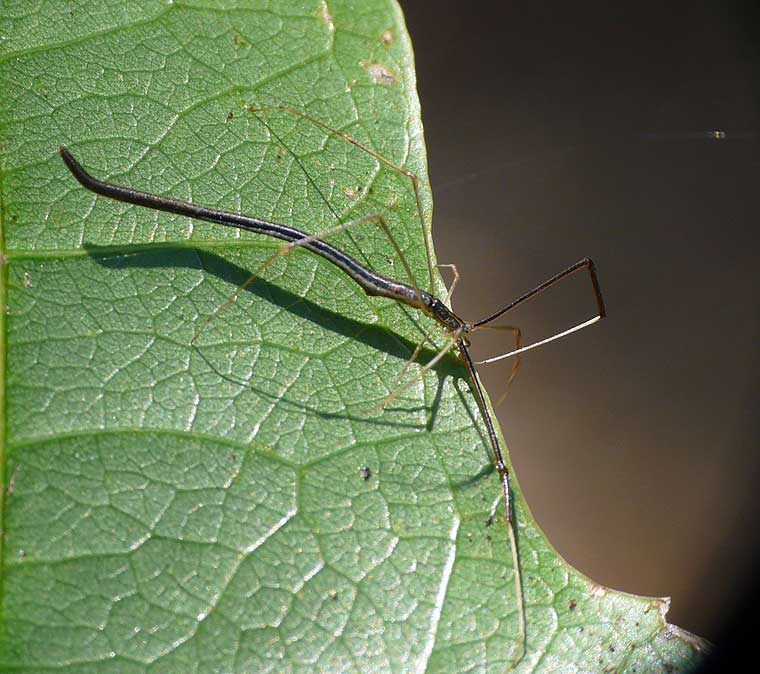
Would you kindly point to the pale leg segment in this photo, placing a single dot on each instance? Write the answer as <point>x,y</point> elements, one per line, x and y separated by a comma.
<point>515,364</point>
<point>350,139</point>
<point>285,248</point>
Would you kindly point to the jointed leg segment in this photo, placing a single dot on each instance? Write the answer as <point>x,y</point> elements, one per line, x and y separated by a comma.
<point>350,139</point>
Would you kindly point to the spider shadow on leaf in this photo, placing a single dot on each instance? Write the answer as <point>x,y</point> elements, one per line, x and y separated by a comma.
<point>378,337</point>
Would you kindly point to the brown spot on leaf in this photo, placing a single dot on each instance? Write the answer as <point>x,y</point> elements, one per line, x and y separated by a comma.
<point>379,73</point>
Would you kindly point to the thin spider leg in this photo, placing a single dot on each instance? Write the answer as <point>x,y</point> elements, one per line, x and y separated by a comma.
<point>233,297</point>
<point>426,335</point>
<point>310,180</point>
<point>284,249</point>
<point>395,245</point>
<point>350,139</point>
<point>586,263</point>
<point>415,353</point>
<point>553,338</point>
<point>506,494</point>
<point>423,371</point>
<point>450,290</point>
<point>515,364</point>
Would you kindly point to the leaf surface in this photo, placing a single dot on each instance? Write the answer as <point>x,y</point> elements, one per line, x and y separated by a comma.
<point>241,504</point>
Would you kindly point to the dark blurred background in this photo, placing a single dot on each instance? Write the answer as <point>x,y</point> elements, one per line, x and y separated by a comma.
<point>628,133</point>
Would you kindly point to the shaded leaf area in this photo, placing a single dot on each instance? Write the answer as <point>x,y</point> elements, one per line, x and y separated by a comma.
<point>186,494</point>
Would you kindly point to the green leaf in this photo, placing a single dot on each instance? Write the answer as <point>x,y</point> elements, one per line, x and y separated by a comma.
<point>242,504</point>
